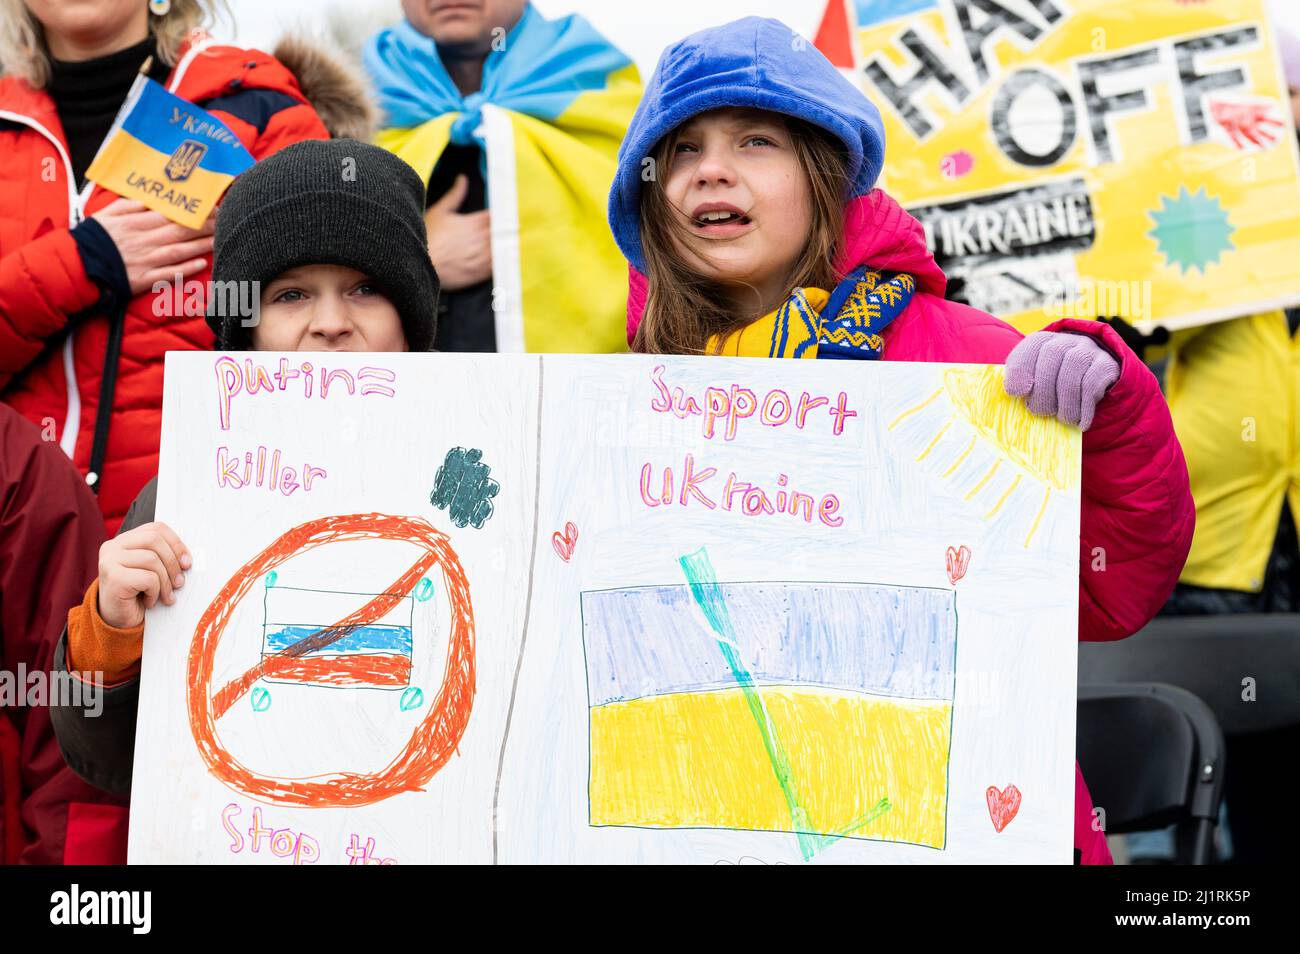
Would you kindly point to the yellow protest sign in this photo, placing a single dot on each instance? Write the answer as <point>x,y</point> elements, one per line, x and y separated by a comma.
<point>1087,158</point>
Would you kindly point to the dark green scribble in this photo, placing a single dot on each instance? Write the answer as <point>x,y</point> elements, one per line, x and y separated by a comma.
<point>463,488</point>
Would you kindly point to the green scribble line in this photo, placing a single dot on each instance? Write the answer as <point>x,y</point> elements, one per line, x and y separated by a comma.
<point>862,821</point>
<point>703,583</point>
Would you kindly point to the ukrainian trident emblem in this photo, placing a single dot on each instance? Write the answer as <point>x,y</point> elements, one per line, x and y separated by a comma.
<point>184,160</point>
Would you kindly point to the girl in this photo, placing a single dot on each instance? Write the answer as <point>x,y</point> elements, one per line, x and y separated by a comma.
<point>744,201</point>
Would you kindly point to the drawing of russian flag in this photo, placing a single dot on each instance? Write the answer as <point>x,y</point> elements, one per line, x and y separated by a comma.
<point>826,711</point>
<point>168,154</point>
<point>374,656</point>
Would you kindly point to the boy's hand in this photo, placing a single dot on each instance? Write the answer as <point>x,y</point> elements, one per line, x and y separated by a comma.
<point>460,244</point>
<point>136,570</point>
<point>1061,373</point>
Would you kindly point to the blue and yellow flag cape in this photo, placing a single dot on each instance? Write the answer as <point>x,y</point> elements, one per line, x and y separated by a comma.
<point>168,154</point>
<point>555,101</point>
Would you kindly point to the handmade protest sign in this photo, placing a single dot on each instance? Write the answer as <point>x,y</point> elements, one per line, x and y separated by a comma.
<point>1131,158</point>
<point>550,608</point>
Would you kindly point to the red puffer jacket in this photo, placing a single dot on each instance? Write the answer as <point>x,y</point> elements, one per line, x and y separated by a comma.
<point>52,356</point>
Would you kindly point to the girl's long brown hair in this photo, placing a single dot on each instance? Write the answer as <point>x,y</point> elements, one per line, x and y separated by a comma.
<point>683,308</point>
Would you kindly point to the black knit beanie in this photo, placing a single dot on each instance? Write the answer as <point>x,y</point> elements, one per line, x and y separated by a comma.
<point>331,202</point>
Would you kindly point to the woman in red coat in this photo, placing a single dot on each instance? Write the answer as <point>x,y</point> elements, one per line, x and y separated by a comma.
<point>82,335</point>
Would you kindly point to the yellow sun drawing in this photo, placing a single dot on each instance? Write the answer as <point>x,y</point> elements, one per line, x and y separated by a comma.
<point>1040,449</point>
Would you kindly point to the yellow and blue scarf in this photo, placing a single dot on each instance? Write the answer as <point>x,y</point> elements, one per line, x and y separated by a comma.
<point>555,101</point>
<point>815,323</point>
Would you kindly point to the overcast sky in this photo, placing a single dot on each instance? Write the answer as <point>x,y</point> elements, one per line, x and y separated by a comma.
<point>641,29</point>
<point>631,25</point>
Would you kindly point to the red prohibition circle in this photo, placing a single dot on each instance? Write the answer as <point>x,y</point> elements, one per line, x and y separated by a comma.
<point>434,740</point>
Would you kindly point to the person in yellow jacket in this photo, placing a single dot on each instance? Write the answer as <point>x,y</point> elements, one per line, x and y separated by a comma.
<point>1234,393</point>
<point>1233,389</point>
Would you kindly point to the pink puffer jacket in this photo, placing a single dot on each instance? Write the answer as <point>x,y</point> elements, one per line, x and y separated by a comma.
<point>1136,503</point>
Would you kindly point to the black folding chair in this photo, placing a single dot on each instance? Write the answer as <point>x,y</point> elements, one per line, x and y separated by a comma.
<point>1212,657</point>
<point>1153,756</point>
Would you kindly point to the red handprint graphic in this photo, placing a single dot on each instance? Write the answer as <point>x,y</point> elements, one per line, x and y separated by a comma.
<point>1253,123</point>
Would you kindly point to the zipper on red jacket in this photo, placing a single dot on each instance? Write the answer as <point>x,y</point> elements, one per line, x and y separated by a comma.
<point>76,201</point>
<point>76,214</point>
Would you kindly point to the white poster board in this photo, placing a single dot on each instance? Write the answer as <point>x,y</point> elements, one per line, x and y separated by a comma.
<point>454,608</point>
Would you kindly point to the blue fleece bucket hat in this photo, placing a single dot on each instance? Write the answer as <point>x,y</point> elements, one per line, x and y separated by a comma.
<point>757,63</point>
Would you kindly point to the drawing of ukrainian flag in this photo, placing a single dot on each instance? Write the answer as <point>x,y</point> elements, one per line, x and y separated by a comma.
<point>168,154</point>
<point>828,714</point>
<point>555,103</point>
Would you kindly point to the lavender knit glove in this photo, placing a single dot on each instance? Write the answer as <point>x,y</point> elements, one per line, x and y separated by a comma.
<point>1061,373</point>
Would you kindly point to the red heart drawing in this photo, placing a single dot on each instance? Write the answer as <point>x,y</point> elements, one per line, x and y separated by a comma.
<point>565,542</point>
<point>958,561</point>
<point>1002,805</point>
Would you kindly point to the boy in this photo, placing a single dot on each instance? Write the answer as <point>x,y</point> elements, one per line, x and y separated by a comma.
<point>334,234</point>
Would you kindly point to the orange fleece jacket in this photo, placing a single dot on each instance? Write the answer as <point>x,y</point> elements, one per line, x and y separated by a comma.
<point>112,653</point>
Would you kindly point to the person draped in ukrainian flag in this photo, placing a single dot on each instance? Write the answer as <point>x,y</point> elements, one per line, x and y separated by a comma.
<point>514,121</point>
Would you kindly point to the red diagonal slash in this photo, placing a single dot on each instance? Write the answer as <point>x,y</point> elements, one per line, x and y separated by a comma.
<point>433,741</point>
<point>378,607</point>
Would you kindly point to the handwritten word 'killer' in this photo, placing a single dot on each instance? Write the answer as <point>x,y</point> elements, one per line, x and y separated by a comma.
<point>253,378</point>
<point>733,404</point>
<point>273,478</point>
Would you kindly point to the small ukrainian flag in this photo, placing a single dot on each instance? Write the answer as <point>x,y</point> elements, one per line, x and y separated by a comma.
<point>168,154</point>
